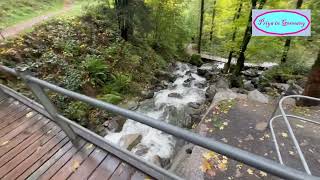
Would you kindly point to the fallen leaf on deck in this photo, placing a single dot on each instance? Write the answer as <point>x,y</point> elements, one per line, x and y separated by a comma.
<point>89,146</point>
<point>208,155</point>
<point>285,135</point>
<point>250,171</point>
<point>205,166</point>
<point>4,143</point>
<point>263,174</point>
<point>29,114</point>
<point>75,165</point>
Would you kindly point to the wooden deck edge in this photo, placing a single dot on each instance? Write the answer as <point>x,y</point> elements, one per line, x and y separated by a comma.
<point>135,161</point>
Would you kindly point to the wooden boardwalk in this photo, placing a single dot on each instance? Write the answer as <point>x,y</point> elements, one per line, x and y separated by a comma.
<point>33,147</point>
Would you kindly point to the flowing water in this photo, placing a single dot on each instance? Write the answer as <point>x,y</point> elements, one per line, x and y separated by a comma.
<point>170,105</point>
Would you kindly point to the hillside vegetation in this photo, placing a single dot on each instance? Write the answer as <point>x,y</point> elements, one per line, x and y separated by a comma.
<point>15,11</point>
<point>86,54</point>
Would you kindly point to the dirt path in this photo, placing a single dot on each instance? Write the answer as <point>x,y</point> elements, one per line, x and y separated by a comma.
<point>243,124</point>
<point>21,27</point>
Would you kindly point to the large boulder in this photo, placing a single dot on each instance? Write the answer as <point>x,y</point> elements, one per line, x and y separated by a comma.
<point>248,86</point>
<point>129,141</point>
<point>211,92</point>
<point>258,97</point>
<point>224,94</point>
<point>223,83</point>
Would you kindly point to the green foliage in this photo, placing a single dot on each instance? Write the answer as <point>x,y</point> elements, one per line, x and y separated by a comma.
<point>120,83</point>
<point>111,98</point>
<point>77,111</point>
<point>195,59</point>
<point>97,69</point>
<point>285,72</point>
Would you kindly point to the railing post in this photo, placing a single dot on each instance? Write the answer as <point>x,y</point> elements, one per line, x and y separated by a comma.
<point>2,95</point>
<point>40,94</point>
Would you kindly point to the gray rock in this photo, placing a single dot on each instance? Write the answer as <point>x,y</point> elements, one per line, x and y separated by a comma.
<point>294,89</point>
<point>223,83</point>
<point>248,86</point>
<point>211,92</point>
<point>175,95</point>
<point>141,150</point>
<point>261,126</point>
<point>224,94</point>
<point>130,140</point>
<point>280,86</point>
<point>194,105</point>
<point>258,97</point>
<point>132,105</point>
<point>200,85</point>
<point>147,94</point>
<point>251,72</point>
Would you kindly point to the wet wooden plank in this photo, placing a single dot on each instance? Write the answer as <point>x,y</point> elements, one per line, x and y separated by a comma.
<point>52,155</point>
<point>89,165</point>
<point>106,168</point>
<point>61,162</point>
<point>123,172</point>
<point>32,133</point>
<point>40,155</point>
<point>17,155</point>
<point>139,176</point>
<point>13,117</point>
<point>7,106</point>
<point>45,166</point>
<point>20,144</point>
<point>11,133</point>
<point>74,163</point>
<point>20,124</point>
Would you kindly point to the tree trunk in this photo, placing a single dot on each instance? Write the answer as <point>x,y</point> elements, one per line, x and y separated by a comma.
<point>288,40</point>
<point>312,87</point>
<point>236,17</point>
<point>125,18</point>
<point>201,25</point>
<point>212,19</point>
<point>246,38</point>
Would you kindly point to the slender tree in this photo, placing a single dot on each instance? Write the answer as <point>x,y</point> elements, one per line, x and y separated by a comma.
<point>246,38</point>
<point>288,40</point>
<point>235,29</point>
<point>212,19</point>
<point>201,25</point>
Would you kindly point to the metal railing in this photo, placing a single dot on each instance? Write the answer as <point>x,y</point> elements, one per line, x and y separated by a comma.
<point>37,87</point>
<point>288,125</point>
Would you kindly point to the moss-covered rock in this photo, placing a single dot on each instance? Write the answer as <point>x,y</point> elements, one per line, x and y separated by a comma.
<point>195,59</point>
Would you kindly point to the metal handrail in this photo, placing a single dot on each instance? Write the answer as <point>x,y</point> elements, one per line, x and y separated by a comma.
<point>237,154</point>
<point>292,135</point>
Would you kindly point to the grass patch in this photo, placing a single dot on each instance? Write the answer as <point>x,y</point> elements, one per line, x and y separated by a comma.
<point>15,11</point>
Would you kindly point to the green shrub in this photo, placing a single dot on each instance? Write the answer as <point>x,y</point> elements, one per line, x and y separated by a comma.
<point>196,60</point>
<point>97,69</point>
<point>120,84</point>
<point>285,72</point>
<point>77,111</point>
<point>111,98</point>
